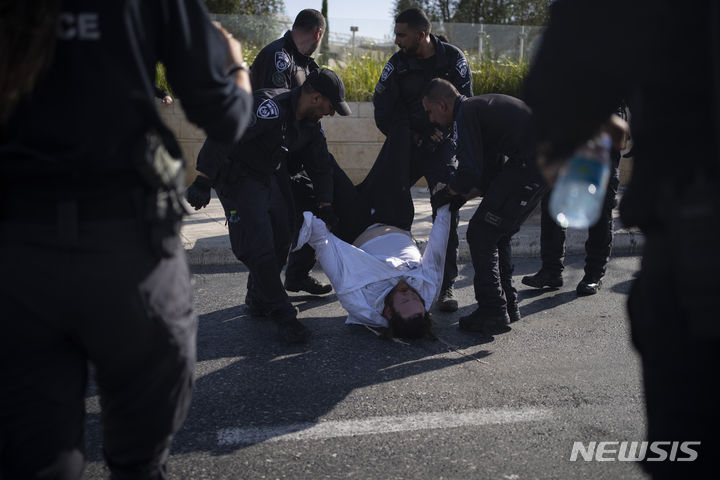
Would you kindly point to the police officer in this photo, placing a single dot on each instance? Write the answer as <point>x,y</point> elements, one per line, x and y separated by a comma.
<point>286,63</point>
<point>578,77</point>
<point>398,106</point>
<point>489,129</point>
<point>252,183</point>
<point>597,246</point>
<point>92,267</point>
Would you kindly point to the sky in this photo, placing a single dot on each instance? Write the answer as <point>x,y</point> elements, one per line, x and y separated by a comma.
<point>372,17</point>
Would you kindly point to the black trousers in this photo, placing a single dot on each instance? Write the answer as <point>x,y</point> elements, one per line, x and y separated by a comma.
<point>510,199</point>
<point>399,165</point>
<point>674,325</point>
<point>260,235</point>
<point>600,236</point>
<point>91,292</point>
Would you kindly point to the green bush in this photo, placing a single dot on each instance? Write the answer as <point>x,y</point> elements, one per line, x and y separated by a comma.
<point>361,73</point>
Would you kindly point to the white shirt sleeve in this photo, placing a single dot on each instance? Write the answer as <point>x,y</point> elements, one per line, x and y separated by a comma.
<point>433,260</point>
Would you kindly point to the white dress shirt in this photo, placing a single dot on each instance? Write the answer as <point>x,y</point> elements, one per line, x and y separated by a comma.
<point>362,277</point>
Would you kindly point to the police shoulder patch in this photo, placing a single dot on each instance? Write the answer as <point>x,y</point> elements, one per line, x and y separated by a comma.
<point>278,79</point>
<point>282,61</point>
<point>462,67</point>
<point>268,110</point>
<point>389,68</point>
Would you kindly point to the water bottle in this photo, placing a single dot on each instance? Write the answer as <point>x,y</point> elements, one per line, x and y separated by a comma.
<point>234,218</point>
<point>578,196</point>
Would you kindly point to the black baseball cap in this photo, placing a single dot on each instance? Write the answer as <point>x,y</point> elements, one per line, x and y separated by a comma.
<point>327,83</point>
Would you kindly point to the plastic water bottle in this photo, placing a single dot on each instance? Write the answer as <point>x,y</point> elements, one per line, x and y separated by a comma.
<point>578,196</point>
<point>234,218</point>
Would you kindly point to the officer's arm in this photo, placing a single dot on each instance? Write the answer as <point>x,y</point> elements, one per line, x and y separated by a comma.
<point>318,165</point>
<point>389,110</point>
<point>462,75</point>
<point>265,74</point>
<point>469,154</point>
<point>211,158</point>
<point>195,55</point>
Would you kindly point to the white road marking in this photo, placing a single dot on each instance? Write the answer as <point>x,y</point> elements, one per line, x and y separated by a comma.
<point>378,425</point>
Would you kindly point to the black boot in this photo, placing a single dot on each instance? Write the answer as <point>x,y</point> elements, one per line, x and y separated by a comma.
<point>447,301</point>
<point>308,284</point>
<point>289,329</point>
<point>487,324</point>
<point>589,285</point>
<point>513,311</point>
<point>543,278</point>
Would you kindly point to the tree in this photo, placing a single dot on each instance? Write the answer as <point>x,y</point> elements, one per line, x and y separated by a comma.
<point>324,56</point>
<point>245,7</point>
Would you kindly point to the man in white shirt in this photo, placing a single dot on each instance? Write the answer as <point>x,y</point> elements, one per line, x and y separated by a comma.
<point>382,279</point>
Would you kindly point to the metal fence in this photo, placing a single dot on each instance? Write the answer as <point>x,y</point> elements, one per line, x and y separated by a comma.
<point>513,42</point>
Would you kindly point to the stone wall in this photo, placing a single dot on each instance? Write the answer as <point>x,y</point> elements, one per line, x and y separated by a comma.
<point>354,140</point>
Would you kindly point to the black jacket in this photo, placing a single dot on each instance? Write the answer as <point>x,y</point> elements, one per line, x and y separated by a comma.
<point>398,92</point>
<point>487,129</point>
<point>70,128</point>
<point>597,52</point>
<point>280,65</point>
<point>274,140</point>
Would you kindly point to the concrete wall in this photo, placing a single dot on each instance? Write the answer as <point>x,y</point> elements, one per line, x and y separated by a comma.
<point>354,140</point>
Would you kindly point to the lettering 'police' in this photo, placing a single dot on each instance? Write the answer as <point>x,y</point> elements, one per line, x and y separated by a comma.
<point>80,26</point>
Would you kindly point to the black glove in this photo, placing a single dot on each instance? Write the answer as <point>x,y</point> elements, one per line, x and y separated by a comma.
<point>457,202</point>
<point>327,215</point>
<point>198,193</point>
<point>440,197</point>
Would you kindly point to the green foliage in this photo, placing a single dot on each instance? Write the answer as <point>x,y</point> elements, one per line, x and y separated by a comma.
<point>161,78</point>
<point>500,12</point>
<point>360,74</point>
<point>245,7</point>
<point>498,76</point>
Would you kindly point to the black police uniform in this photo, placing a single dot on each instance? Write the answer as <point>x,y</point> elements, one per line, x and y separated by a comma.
<point>398,106</point>
<point>491,128</point>
<point>579,75</point>
<point>88,274</point>
<point>600,235</point>
<point>281,65</point>
<point>253,181</point>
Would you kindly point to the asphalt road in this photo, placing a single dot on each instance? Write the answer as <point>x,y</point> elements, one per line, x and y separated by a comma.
<point>349,405</point>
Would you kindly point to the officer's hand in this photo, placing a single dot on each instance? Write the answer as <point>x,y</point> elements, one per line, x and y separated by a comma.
<point>457,202</point>
<point>327,215</point>
<point>440,196</point>
<point>198,193</point>
<point>436,135</point>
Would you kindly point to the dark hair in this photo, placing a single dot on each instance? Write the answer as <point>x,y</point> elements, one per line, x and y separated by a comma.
<point>440,89</point>
<point>417,326</point>
<point>309,20</point>
<point>415,18</point>
<point>27,43</point>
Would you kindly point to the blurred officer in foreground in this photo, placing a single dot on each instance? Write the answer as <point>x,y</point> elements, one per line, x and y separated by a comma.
<point>92,266</point>
<point>399,114</point>
<point>489,129</point>
<point>253,185</point>
<point>286,63</point>
<point>579,76</point>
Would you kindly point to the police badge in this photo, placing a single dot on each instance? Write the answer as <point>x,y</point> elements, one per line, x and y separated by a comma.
<point>282,61</point>
<point>386,71</point>
<point>462,67</point>
<point>268,110</point>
